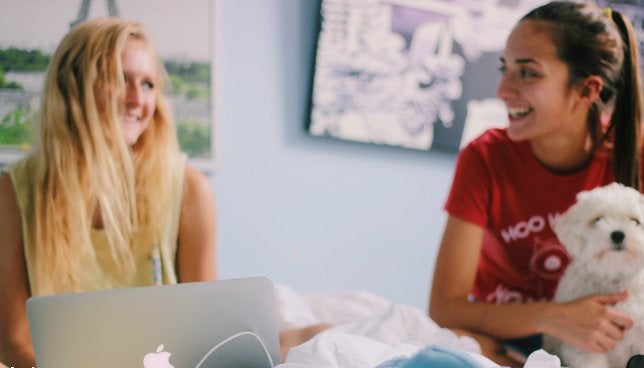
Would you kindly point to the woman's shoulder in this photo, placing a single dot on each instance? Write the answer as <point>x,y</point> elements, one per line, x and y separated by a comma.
<point>492,142</point>
<point>195,182</point>
<point>198,195</point>
<point>492,136</point>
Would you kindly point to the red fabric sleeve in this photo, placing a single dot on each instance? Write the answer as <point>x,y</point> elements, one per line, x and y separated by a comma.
<point>469,197</point>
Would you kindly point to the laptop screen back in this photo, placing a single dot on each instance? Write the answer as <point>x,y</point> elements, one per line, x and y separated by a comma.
<point>228,323</point>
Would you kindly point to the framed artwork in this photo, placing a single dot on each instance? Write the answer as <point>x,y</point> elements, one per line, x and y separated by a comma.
<point>419,74</point>
<point>30,31</point>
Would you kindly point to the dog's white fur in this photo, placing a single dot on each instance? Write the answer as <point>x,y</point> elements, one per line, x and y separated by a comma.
<point>604,234</point>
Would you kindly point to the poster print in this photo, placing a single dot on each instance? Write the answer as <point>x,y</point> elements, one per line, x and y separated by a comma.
<point>419,74</point>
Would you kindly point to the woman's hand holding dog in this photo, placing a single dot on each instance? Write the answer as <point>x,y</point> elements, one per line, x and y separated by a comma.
<point>590,323</point>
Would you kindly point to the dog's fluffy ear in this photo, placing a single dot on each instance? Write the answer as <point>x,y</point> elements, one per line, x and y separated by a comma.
<point>568,225</point>
<point>581,196</point>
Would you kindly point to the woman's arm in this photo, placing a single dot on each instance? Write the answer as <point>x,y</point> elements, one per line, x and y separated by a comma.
<point>589,322</point>
<point>196,248</point>
<point>454,276</point>
<point>15,339</point>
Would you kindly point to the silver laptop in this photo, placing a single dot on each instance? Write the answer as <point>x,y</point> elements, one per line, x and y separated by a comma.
<point>227,323</point>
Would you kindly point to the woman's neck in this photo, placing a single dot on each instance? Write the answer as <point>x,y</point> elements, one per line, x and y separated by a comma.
<point>564,156</point>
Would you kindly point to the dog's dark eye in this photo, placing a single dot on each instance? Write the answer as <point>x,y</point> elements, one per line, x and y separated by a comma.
<point>595,220</point>
<point>635,220</point>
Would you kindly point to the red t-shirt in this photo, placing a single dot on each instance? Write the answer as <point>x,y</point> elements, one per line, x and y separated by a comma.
<point>500,185</point>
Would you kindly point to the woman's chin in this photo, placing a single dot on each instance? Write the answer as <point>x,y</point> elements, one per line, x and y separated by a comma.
<point>132,133</point>
<point>517,131</point>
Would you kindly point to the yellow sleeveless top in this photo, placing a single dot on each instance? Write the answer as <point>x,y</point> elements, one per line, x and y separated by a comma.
<point>156,267</point>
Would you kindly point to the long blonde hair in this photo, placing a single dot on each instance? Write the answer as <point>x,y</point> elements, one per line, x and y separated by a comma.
<point>82,164</point>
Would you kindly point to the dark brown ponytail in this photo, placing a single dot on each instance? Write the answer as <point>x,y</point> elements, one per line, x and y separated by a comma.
<point>627,115</point>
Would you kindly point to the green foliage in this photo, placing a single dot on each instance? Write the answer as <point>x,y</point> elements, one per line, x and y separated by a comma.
<point>16,128</point>
<point>8,85</point>
<point>18,60</point>
<point>194,137</point>
<point>191,80</point>
<point>192,72</point>
<point>190,90</point>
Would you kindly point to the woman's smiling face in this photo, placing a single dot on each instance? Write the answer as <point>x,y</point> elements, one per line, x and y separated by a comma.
<point>535,84</point>
<point>140,73</point>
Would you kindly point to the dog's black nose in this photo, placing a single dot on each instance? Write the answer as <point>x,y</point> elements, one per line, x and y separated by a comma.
<point>637,361</point>
<point>617,237</point>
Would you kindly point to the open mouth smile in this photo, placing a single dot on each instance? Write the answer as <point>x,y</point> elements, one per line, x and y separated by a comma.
<point>518,112</point>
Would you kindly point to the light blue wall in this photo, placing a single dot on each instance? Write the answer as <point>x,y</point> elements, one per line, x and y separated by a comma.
<point>315,214</point>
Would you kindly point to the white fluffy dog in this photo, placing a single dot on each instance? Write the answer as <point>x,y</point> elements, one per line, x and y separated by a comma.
<point>604,234</point>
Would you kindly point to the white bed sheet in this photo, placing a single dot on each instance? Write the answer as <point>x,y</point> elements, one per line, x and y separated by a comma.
<point>369,330</point>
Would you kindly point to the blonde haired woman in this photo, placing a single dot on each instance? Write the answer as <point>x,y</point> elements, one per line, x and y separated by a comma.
<point>106,199</point>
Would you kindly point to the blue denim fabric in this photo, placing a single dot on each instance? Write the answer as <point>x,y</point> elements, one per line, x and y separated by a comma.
<point>434,356</point>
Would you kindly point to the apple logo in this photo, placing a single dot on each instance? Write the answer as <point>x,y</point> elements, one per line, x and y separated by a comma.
<point>160,359</point>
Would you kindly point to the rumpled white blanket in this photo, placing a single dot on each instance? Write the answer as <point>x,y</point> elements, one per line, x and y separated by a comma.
<point>369,330</point>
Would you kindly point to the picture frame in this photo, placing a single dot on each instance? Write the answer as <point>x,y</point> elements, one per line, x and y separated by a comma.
<point>417,74</point>
<point>35,27</point>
